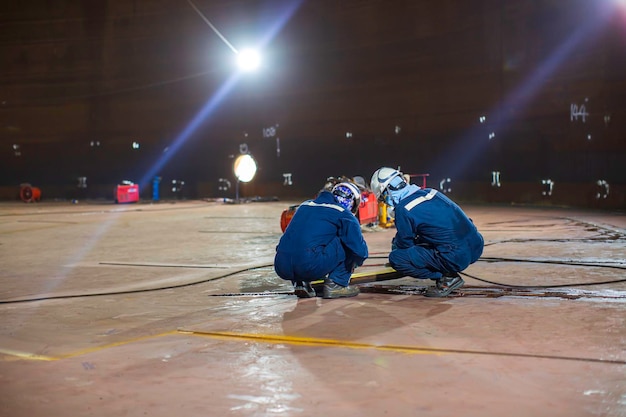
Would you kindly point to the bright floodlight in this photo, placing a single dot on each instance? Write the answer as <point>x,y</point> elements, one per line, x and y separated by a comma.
<point>248,60</point>
<point>245,168</point>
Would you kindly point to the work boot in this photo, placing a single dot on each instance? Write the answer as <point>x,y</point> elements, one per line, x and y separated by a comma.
<point>303,289</point>
<point>445,285</point>
<point>334,290</point>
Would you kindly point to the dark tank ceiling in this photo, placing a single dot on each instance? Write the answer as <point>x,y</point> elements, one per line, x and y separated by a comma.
<point>498,96</point>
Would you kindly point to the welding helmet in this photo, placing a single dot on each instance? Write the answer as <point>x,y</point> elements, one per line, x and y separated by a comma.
<point>348,196</point>
<point>384,181</point>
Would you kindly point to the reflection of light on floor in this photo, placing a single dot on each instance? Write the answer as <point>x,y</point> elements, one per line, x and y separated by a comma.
<point>86,247</point>
<point>270,371</point>
<point>57,278</point>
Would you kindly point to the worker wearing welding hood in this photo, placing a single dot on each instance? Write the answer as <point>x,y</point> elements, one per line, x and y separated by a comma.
<point>434,238</point>
<point>323,241</point>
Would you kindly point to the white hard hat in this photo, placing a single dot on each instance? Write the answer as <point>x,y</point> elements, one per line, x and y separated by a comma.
<point>382,179</point>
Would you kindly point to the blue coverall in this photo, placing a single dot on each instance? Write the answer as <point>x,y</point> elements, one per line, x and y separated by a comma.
<point>434,236</point>
<point>321,238</point>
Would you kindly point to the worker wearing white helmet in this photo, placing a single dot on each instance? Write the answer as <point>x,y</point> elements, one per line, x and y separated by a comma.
<point>435,239</point>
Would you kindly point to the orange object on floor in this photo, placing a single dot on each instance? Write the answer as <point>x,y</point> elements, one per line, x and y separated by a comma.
<point>28,193</point>
<point>286,216</point>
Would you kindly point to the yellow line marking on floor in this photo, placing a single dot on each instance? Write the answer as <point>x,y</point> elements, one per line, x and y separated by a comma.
<point>26,355</point>
<point>310,341</point>
<point>116,344</point>
<point>34,356</point>
<point>295,340</point>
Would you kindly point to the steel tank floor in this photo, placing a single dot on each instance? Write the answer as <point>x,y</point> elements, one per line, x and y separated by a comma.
<point>174,308</point>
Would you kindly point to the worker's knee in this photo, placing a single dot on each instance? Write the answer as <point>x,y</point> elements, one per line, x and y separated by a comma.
<point>402,261</point>
<point>399,261</point>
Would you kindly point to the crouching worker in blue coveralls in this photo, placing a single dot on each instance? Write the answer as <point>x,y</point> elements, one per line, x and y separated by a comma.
<point>323,241</point>
<point>434,240</point>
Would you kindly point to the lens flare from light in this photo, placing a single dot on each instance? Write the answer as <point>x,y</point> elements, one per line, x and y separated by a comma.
<point>468,147</point>
<point>245,168</point>
<point>198,119</point>
<point>216,99</point>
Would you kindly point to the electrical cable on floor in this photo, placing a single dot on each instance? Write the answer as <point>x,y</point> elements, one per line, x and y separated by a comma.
<point>543,286</point>
<point>601,239</point>
<point>169,287</point>
<point>188,284</point>
<point>541,261</point>
<point>548,261</point>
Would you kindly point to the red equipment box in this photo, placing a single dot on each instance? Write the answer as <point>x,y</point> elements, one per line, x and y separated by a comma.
<point>126,193</point>
<point>368,210</point>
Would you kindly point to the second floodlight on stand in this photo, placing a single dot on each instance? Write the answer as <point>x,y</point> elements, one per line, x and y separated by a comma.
<point>245,169</point>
